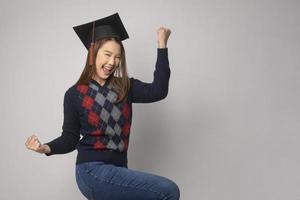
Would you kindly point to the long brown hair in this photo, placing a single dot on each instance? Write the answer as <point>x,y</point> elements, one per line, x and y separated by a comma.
<point>118,80</point>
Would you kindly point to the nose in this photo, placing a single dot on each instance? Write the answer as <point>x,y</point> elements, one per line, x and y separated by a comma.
<point>111,61</point>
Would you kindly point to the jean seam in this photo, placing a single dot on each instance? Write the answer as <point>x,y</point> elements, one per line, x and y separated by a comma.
<point>128,186</point>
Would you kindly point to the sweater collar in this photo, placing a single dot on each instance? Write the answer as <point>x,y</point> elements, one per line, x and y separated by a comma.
<point>97,84</point>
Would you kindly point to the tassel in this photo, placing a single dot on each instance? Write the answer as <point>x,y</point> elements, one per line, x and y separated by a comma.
<point>91,49</point>
<point>91,54</point>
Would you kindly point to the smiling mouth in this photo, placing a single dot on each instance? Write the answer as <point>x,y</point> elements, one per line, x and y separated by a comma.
<point>107,70</point>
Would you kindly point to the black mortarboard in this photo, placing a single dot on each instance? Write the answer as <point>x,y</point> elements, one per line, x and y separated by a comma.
<point>110,26</point>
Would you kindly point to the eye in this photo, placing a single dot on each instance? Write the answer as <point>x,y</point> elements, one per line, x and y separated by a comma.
<point>107,54</point>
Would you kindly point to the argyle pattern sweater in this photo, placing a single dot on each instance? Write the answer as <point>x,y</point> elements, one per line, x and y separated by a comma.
<point>91,111</point>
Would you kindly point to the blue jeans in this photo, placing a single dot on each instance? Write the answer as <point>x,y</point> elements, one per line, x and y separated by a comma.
<point>99,181</point>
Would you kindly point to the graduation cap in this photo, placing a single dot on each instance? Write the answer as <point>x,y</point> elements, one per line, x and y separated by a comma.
<point>110,26</point>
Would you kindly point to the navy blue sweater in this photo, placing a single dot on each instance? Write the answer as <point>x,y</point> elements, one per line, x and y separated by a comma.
<point>90,111</point>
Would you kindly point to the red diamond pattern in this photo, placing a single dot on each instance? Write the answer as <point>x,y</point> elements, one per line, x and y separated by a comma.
<point>87,102</point>
<point>93,118</point>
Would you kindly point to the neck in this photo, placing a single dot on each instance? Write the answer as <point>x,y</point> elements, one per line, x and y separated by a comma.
<point>100,81</point>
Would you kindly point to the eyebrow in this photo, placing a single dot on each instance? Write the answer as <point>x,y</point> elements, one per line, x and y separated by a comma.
<point>111,52</point>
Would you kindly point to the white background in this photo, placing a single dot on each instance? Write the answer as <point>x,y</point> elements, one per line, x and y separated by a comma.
<point>228,129</point>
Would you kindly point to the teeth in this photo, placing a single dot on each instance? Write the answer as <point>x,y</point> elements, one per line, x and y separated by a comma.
<point>107,70</point>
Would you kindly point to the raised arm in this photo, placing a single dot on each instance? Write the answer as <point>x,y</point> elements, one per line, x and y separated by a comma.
<point>141,92</point>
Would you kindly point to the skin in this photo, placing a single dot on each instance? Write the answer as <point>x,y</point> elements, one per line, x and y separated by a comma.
<point>107,60</point>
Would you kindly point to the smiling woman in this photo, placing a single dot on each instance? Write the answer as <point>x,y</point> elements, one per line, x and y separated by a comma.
<point>109,59</point>
<point>99,107</point>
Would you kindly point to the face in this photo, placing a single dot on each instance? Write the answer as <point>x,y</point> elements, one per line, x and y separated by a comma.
<point>107,60</point>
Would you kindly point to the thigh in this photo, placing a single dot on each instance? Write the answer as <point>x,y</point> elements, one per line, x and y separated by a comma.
<point>114,183</point>
<point>83,182</point>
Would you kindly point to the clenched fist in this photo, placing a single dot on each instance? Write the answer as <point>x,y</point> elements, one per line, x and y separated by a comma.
<point>163,36</point>
<point>34,144</point>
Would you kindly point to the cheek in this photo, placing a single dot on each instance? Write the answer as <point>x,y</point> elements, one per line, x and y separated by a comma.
<point>98,68</point>
<point>99,61</point>
<point>99,65</point>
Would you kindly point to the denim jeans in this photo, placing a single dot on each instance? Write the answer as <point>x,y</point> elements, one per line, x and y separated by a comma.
<point>99,181</point>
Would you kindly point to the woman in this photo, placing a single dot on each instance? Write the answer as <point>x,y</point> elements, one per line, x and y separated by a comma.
<point>99,107</point>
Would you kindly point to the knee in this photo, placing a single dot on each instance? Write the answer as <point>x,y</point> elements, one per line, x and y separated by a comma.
<point>175,192</point>
<point>170,190</point>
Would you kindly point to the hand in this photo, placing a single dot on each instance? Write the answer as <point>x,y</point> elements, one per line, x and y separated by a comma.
<point>34,144</point>
<point>162,37</point>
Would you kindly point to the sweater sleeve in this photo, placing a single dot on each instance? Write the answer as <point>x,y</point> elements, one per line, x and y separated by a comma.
<point>71,126</point>
<point>157,90</point>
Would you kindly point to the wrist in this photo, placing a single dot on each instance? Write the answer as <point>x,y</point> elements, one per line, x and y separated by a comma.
<point>46,148</point>
<point>162,45</point>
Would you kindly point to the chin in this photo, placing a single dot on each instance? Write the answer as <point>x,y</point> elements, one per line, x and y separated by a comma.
<point>105,77</point>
